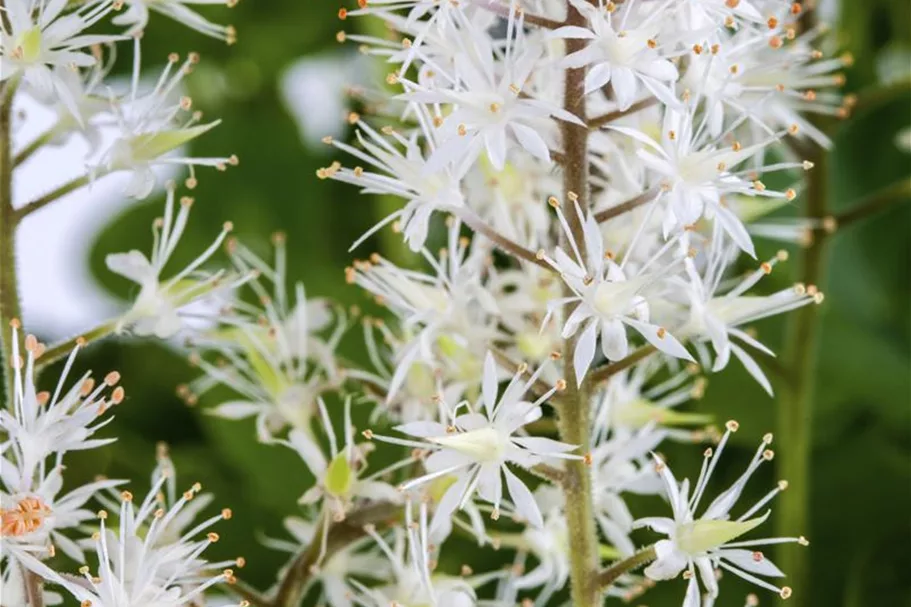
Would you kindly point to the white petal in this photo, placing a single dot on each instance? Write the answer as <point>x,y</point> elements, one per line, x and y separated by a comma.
<point>624,84</point>
<point>448,504</point>
<point>495,143</point>
<point>752,368</point>
<point>736,230</point>
<point>489,384</point>
<point>597,76</point>
<point>133,265</point>
<point>540,445</point>
<point>669,564</point>
<point>523,500</point>
<point>746,559</point>
<point>422,429</point>
<point>667,343</point>
<point>585,351</point>
<point>692,594</point>
<point>237,409</point>
<point>309,451</point>
<point>572,31</point>
<point>531,141</point>
<point>614,343</point>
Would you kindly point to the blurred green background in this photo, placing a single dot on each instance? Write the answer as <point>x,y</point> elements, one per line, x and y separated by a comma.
<point>861,462</point>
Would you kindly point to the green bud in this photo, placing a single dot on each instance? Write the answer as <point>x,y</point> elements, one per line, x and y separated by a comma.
<point>339,476</point>
<point>701,536</point>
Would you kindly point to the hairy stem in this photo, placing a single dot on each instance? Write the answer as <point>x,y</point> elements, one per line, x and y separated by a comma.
<point>63,348</point>
<point>795,404</point>
<point>511,247</point>
<point>36,144</point>
<point>497,7</point>
<point>575,414</point>
<point>612,574</point>
<point>602,374</point>
<point>9,286</point>
<point>626,206</point>
<point>548,473</point>
<point>53,195</point>
<point>604,119</point>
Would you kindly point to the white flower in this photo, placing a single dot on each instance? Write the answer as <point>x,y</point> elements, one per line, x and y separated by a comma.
<point>476,447</point>
<point>280,362</point>
<point>449,313</point>
<point>695,171</point>
<point>42,425</point>
<point>424,387</point>
<point>160,306</point>
<point>164,485</point>
<point>504,198</point>
<point>550,545</point>
<point>33,520</point>
<point>89,106</point>
<point>627,408</point>
<point>136,568</point>
<point>488,106</point>
<point>772,78</point>
<point>402,173</point>
<point>136,16</point>
<point>706,542</point>
<point>716,318</point>
<point>607,301</point>
<point>150,126</point>
<point>625,57</point>
<point>42,36</point>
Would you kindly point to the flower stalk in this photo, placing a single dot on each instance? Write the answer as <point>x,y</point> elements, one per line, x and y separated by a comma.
<point>293,586</point>
<point>795,405</point>
<point>62,349</point>
<point>55,194</point>
<point>612,574</point>
<point>575,414</point>
<point>9,288</point>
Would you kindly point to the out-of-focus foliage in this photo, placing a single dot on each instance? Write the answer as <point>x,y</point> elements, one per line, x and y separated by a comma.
<point>861,468</point>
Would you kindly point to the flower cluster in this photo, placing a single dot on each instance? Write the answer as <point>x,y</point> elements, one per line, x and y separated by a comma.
<point>149,557</point>
<point>582,186</point>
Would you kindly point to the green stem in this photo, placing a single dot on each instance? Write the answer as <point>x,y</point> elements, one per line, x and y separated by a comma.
<point>876,202</point>
<point>63,348</point>
<point>602,374</point>
<point>574,419</point>
<point>9,286</point>
<point>795,404</point>
<point>36,144</point>
<point>610,575</point>
<point>548,473</point>
<point>58,192</point>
